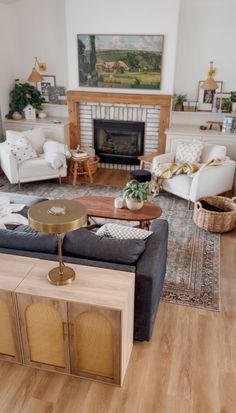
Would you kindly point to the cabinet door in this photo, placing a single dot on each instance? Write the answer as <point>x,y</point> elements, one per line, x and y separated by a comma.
<point>43,325</point>
<point>95,342</point>
<point>10,348</point>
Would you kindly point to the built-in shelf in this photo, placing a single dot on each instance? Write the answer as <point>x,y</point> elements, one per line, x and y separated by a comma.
<point>197,118</point>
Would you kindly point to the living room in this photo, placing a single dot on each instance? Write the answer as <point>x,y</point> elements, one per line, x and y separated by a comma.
<point>186,361</point>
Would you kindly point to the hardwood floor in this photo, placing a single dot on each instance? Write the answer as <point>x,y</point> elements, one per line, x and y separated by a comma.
<point>189,366</point>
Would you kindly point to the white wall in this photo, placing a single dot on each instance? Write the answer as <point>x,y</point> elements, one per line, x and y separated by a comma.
<point>8,54</point>
<point>207,31</point>
<point>123,17</point>
<point>29,29</point>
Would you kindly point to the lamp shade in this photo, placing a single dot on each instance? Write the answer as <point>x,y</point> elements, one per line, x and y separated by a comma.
<point>209,84</point>
<point>35,76</point>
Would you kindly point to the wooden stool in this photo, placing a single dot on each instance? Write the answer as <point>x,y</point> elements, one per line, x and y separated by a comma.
<point>147,158</point>
<point>83,166</point>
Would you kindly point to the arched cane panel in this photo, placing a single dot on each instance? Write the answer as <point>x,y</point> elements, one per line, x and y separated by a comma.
<point>7,345</point>
<point>45,334</point>
<point>94,344</point>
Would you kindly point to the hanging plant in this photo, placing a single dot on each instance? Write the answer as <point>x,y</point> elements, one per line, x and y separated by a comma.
<point>21,95</point>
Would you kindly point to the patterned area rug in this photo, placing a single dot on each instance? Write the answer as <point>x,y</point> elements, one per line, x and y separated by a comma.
<point>192,276</point>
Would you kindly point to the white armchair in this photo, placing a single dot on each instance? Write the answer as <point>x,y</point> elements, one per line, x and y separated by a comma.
<point>208,181</point>
<point>37,168</point>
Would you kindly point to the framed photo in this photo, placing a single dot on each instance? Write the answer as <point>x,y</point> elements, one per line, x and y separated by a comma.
<point>120,61</point>
<point>222,102</point>
<point>57,94</point>
<point>48,80</point>
<point>206,97</point>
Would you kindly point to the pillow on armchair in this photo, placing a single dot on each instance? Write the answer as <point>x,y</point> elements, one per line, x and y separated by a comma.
<point>35,136</point>
<point>189,152</point>
<point>22,150</point>
<point>213,151</point>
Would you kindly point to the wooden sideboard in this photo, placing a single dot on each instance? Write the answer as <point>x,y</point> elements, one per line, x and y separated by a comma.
<point>84,329</point>
<point>58,131</point>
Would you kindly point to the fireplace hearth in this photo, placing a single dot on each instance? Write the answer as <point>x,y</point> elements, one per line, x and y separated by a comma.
<point>119,142</point>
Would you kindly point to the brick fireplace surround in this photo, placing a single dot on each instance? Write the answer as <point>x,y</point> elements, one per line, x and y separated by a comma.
<point>153,110</point>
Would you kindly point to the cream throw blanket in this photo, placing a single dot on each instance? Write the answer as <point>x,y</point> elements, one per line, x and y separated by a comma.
<point>168,170</point>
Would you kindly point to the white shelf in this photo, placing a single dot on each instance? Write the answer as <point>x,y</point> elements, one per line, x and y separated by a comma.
<point>197,118</point>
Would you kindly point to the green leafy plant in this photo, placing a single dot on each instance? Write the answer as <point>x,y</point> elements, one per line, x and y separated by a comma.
<point>180,99</point>
<point>136,190</point>
<point>226,105</point>
<point>22,95</point>
<point>233,96</point>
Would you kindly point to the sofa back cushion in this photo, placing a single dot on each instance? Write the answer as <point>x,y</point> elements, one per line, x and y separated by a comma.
<point>24,237</point>
<point>86,244</point>
<point>212,151</point>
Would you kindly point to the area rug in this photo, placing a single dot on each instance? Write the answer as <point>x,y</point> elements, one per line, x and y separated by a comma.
<point>192,276</point>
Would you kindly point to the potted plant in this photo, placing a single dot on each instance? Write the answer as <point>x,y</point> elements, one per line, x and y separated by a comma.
<point>22,95</point>
<point>226,105</point>
<point>135,194</point>
<point>233,100</point>
<point>179,102</point>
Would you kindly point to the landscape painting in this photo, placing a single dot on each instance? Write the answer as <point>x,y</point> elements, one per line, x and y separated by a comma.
<point>120,61</point>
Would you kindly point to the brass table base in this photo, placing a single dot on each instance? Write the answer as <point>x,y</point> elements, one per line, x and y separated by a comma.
<point>58,276</point>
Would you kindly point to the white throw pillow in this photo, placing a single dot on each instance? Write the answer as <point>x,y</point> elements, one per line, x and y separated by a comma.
<point>22,150</point>
<point>189,152</point>
<point>213,151</point>
<point>51,146</point>
<point>35,136</point>
<point>122,232</point>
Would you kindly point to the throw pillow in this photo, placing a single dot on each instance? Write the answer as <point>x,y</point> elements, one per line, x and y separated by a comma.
<point>122,232</point>
<point>51,146</point>
<point>22,150</point>
<point>213,151</point>
<point>83,243</point>
<point>189,152</point>
<point>35,136</point>
<point>25,238</point>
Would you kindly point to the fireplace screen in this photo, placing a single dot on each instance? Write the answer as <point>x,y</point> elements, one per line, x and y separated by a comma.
<point>119,141</point>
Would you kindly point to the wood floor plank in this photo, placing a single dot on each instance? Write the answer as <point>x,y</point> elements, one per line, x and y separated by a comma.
<point>189,366</point>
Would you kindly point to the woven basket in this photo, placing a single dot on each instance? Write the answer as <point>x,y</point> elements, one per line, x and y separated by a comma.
<point>93,164</point>
<point>216,221</point>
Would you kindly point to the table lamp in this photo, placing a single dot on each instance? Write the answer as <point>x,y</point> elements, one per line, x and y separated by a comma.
<point>58,216</point>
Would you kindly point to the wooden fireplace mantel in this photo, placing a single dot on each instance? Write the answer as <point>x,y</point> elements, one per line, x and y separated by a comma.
<point>75,97</point>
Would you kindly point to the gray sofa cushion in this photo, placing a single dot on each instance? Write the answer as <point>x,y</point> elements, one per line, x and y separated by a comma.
<point>25,237</point>
<point>86,244</point>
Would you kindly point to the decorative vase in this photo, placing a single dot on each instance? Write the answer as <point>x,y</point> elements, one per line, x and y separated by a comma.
<point>233,106</point>
<point>133,204</point>
<point>17,116</point>
<point>42,115</point>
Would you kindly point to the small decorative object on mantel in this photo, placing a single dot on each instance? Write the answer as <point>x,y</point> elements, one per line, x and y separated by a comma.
<point>179,101</point>
<point>206,99</point>
<point>42,114</point>
<point>233,101</point>
<point>17,116</point>
<point>214,125</point>
<point>30,112</point>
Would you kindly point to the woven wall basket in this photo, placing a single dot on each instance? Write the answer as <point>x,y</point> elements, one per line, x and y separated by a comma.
<point>216,221</point>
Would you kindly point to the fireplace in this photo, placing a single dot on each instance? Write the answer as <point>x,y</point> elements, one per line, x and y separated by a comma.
<point>119,142</point>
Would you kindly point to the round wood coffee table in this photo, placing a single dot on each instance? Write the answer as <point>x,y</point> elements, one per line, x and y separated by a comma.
<point>103,207</point>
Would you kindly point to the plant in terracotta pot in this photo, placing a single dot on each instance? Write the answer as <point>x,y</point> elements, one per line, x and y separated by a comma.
<point>226,105</point>
<point>179,102</point>
<point>135,194</point>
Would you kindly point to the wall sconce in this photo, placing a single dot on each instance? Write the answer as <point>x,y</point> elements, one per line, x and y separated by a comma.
<point>35,76</point>
<point>210,83</point>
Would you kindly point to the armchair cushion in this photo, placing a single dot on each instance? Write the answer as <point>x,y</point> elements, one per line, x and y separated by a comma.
<point>35,136</point>
<point>212,151</point>
<point>189,152</point>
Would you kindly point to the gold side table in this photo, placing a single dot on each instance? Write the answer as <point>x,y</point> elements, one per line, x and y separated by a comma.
<point>58,216</point>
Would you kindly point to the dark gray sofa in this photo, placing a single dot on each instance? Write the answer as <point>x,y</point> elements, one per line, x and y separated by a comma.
<point>149,268</point>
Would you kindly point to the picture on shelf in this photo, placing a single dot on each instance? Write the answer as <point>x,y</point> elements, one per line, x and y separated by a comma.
<point>222,102</point>
<point>206,97</point>
<point>57,95</point>
<point>48,80</point>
